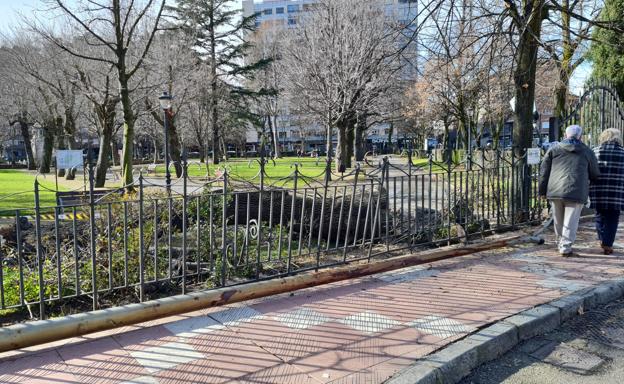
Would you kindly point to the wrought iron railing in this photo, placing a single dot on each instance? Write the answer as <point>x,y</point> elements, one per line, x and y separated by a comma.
<point>200,233</point>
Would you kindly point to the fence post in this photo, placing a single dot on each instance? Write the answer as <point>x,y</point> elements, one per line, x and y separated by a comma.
<point>387,177</point>
<point>92,236</point>
<point>141,244</point>
<point>184,223</point>
<point>292,217</point>
<point>514,187</point>
<point>346,240</point>
<point>224,229</point>
<point>260,202</point>
<point>40,260</point>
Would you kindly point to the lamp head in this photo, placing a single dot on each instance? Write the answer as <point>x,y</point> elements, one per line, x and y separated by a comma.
<point>165,100</point>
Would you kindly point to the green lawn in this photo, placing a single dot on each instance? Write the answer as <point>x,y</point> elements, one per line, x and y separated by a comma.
<point>247,169</point>
<point>17,186</point>
<point>17,190</point>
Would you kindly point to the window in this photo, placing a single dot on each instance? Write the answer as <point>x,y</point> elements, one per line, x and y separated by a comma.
<point>282,135</point>
<point>279,10</point>
<point>268,11</point>
<point>258,23</point>
<point>292,21</point>
<point>293,8</point>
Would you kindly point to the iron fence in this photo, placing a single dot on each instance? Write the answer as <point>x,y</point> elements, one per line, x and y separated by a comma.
<point>120,247</point>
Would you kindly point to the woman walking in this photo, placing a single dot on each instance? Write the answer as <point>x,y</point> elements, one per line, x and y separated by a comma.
<point>607,193</point>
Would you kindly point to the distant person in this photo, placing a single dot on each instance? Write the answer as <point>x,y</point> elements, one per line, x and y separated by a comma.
<point>564,180</point>
<point>607,193</point>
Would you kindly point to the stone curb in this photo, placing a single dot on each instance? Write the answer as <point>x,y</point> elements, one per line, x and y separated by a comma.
<point>454,362</point>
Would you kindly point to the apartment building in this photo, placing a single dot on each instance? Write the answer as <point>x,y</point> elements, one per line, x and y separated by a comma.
<point>284,14</point>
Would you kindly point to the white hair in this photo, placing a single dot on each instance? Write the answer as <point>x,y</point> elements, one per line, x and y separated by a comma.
<point>610,134</point>
<point>574,131</point>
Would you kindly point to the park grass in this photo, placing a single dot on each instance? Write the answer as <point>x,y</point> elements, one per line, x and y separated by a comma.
<point>17,190</point>
<point>17,186</point>
<point>248,169</point>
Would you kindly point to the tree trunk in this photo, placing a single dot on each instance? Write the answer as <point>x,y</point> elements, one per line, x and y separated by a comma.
<point>128,129</point>
<point>175,148</point>
<point>360,138</point>
<point>32,165</point>
<point>350,144</point>
<point>341,148</point>
<point>524,79</point>
<point>156,154</point>
<point>115,149</point>
<point>101,168</point>
<point>213,108</point>
<point>48,146</point>
<point>390,133</point>
<point>274,138</point>
<point>60,146</point>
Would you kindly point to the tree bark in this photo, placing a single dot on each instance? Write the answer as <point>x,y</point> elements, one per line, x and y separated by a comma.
<point>101,168</point>
<point>175,148</point>
<point>524,80</point>
<point>274,138</point>
<point>341,148</point>
<point>128,128</point>
<point>213,107</point>
<point>61,144</point>
<point>360,138</point>
<point>48,146</point>
<point>25,131</point>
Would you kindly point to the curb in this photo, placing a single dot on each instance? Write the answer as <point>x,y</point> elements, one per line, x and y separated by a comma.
<point>454,362</point>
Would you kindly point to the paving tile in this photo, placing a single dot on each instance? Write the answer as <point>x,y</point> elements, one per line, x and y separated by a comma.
<point>101,361</point>
<point>145,338</point>
<point>194,326</point>
<point>35,368</point>
<point>290,344</point>
<point>302,318</point>
<point>142,380</point>
<point>369,322</point>
<point>224,365</point>
<point>440,326</point>
<point>166,356</point>
<point>235,316</point>
<point>408,274</point>
<point>281,373</point>
<point>562,284</point>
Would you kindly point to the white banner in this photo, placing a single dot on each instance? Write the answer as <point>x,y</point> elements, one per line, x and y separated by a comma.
<point>67,159</point>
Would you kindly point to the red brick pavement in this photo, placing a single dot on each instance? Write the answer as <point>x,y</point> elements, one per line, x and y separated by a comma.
<point>360,331</point>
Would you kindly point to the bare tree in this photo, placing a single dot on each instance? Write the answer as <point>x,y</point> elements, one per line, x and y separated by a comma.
<point>342,59</point>
<point>125,30</point>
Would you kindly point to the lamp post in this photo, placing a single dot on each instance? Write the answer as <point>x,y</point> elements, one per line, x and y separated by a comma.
<point>469,151</point>
<point>165,104</point>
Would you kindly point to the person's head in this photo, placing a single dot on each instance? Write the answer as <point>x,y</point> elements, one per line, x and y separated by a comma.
<point>574,132</point>
<point>610,134</point>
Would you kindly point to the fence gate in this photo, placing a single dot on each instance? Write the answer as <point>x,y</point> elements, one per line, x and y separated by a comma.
<point>598,108</point>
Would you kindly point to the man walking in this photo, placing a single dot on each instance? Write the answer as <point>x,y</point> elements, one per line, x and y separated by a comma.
<point>564,180</point>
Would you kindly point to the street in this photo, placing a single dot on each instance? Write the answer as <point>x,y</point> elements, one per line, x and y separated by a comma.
<point>587,349</point>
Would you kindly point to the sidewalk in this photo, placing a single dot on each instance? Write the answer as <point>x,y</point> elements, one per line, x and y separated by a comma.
<point>360,331</point>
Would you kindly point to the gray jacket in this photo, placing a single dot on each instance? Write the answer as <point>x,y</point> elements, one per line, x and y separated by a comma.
<point>566,171</point>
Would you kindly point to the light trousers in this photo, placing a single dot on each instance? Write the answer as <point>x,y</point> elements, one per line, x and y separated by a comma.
<point>566,215</point>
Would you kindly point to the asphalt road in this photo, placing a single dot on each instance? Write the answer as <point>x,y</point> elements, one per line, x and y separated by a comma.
<point>587,349</point>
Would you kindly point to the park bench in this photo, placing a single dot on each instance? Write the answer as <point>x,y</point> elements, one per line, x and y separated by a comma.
<point>73,198</point>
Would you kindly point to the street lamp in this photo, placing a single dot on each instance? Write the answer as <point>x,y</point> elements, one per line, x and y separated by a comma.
<point>469,152</point>
<point>165,103</point>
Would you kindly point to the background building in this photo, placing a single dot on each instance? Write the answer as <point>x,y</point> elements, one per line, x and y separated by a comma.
<point>293,132</point>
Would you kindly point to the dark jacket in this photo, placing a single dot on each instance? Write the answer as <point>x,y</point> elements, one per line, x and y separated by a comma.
<point>607,193</point>
<point>566,171</point>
